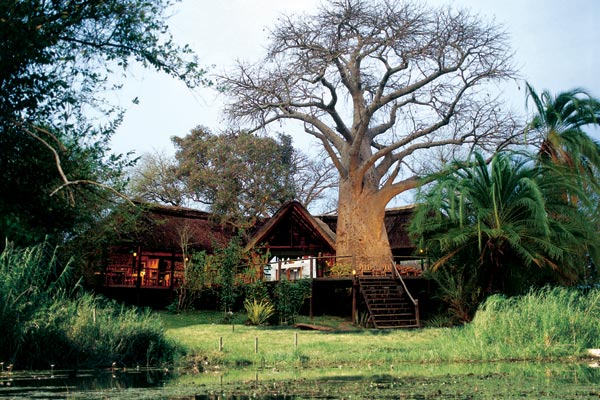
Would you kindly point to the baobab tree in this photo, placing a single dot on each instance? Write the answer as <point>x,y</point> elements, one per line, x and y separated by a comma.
<point>380,84</point>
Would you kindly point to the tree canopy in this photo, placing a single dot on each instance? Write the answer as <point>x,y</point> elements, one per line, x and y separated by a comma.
<point>239,175</point>
<point>160,178</point>
<point>57,62</point>
<point>559,127</point>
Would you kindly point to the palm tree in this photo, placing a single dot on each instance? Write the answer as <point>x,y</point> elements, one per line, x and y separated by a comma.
<point>560,121</point>
<point>499,217</point>
<point>567,150</point>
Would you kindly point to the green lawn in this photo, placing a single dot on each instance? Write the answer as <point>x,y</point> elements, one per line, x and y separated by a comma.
<point>200,334</point>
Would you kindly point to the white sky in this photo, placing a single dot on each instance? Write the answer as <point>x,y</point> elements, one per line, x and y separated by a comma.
<point>556,45</point>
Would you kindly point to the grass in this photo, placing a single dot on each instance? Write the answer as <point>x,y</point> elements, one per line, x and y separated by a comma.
<point>543,325</point>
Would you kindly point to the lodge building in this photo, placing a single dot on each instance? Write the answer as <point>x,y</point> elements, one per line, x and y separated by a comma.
<point>148,266</point>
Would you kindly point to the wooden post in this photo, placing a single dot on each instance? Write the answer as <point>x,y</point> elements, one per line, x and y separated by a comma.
<point>221,343</point>
<point>172,278</point>
<point>256,344</point>
<point>354,295</point>
<point>296,340</point>
<point>138,279</point>
<point>310,312</point>
<point>279,270</point>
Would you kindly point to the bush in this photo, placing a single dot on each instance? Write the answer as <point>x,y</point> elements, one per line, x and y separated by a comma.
<point>289,297</point>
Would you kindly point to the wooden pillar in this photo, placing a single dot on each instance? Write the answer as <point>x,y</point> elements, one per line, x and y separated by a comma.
<point>172,278</point>
<point>279,270</point>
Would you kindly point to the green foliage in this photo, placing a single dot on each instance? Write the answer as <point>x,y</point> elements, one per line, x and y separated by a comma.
<point>42,323</point>
<point>154,179</point>
<point>29,211</point>
<point>458,287</point>
<point>196,279</point>
<point>258,312</point>
<point>289,297</point>
<point>58,58</point>
<point>238,174</point>
<point>506,219</point>
<point>257,291</point>
<point>565,149</point>
<point>62,52</point>
<point>559,121</point>
<point>29,279</point>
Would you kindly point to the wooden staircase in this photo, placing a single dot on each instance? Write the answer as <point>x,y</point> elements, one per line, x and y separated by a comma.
<point>388,302</point>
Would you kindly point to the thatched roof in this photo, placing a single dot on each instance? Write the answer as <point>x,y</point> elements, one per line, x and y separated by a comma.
<point>292,227</point>
<point>162,228</point>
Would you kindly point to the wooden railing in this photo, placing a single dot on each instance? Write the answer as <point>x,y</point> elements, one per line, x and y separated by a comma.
<point>397,276</point>
<point>328,267</point>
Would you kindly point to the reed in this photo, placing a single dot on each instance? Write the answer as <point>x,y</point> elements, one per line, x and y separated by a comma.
<point>557,321</point>
<point>46,319</point>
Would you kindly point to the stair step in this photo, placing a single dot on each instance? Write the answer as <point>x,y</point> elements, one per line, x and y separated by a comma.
<point>379,310</point>
<point>398,326</point>
<point>393,315</point>
<point>397,322</point>
<point>387,303</point>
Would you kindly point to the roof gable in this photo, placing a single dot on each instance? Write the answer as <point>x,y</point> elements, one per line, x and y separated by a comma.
<point>292,227</point>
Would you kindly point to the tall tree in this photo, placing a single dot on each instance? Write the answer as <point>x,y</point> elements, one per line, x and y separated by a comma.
<point>160,178</point>
<point>57,60</point>
<point>32,209</point>
<point>378,83</point>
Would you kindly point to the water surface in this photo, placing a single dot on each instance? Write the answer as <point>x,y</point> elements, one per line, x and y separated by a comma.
<point>406,381</point>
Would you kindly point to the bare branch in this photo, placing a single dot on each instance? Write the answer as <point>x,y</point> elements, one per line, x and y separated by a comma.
<point>66,181</point>
<point>377,82</point>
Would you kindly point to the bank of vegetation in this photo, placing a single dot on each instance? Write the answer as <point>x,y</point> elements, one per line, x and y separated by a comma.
<point>48,321</point>
<point>545,324</point>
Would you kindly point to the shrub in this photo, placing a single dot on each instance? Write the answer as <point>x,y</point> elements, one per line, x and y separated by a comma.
<point>259,312</point>
<point>289,297</point>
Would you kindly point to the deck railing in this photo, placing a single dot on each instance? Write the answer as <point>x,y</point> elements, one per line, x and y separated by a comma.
<point>332,267</point>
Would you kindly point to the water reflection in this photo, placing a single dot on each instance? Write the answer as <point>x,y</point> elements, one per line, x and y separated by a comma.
<point>54,384</point>
<point>409,381</point>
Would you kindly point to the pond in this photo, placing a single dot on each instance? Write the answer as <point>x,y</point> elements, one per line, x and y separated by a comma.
<point>407,381</point>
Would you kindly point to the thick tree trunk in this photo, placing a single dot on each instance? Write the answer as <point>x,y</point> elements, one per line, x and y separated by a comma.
<point>361,229</point>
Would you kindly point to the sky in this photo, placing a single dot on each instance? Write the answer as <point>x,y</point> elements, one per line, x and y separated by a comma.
<point>556,45</point>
